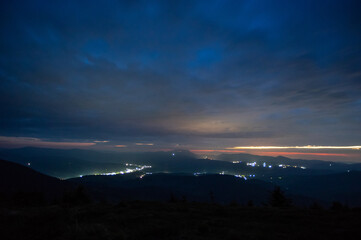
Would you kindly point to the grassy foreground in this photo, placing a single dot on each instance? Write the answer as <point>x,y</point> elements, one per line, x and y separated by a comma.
<point>156,220</point>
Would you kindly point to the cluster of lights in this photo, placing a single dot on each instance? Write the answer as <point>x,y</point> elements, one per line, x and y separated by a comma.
<point>265,165</point>
<point>199,173</point>
<point>252,164</point>
<point>287,166</point>
<point>142,176</point>
<point>245,177</point>
<point>241,176</point>
<point>127,170</point>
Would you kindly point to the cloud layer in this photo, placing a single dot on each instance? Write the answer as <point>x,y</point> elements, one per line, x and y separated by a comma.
<point>201,74</point>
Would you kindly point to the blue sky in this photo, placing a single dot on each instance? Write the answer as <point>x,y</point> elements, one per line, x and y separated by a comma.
<point>181,74</point>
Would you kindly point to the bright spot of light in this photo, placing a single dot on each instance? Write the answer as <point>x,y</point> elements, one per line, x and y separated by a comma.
<point>253,164</point>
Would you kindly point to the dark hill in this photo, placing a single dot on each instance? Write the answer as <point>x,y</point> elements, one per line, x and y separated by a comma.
<point>326,166</point>
<point>64,163</point>
<point>204,188</point>
<point>15,178</point>
<point>343,187</point>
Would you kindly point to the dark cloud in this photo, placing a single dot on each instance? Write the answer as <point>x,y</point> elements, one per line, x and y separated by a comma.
<point>182,72</point>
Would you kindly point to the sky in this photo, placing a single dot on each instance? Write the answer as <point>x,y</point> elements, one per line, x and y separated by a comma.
<point>196,75</point>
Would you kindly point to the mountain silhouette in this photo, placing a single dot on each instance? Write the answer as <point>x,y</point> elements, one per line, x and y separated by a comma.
<point>16,178</point>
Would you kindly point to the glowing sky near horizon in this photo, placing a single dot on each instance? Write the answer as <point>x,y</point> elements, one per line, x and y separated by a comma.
<point>297,147</point>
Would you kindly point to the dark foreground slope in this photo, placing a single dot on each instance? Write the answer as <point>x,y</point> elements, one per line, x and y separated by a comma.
<point>342,187</point>
<point>155,220</point>
<point>18,179</point>
<point>161,187</point>
<point>216,188</point>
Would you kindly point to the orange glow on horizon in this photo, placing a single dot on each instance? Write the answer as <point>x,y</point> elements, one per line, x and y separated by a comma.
<point>300,153</point>
<point>120,146</point>
<point>296,147</point>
